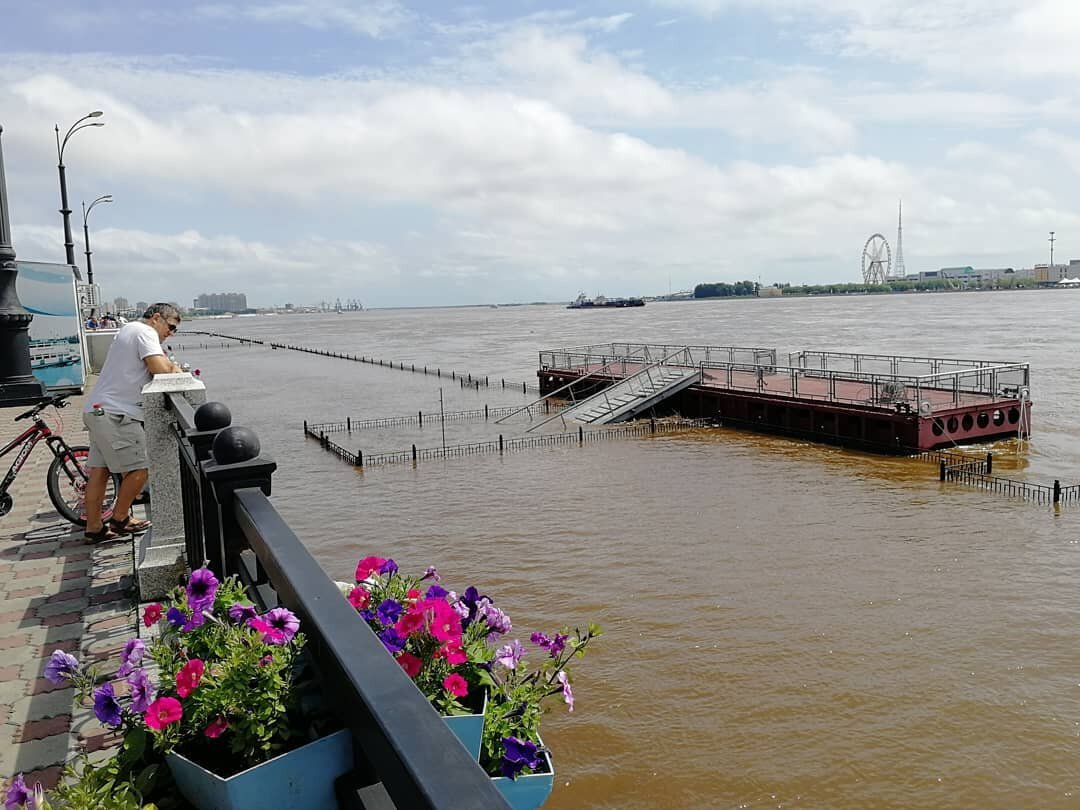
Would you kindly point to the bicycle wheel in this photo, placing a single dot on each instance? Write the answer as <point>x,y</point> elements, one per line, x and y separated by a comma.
<point>66,482</point>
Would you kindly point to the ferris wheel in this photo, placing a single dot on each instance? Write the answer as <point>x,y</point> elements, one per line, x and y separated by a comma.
<point>876,260</point>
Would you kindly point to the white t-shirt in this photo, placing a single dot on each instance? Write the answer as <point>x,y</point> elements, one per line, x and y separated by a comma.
<point>119,388</point>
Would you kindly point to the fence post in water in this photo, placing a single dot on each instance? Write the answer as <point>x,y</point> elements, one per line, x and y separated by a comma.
<point>504,383</point>
<point>580,435</point>
<point>414,454</point>
<point>439,371</point>
<point>359,458</point>
<point>523,389</point>
<point>348,423</point>
<point>477,385</point>
<point>485,411</point>
<point>500,444</point>
<point>989,463</point>
<point>305,427</point>
<point>453,375</point>
<point>420,416</point>
<point>941,472</point>
<point>652,424</point>
<point>1057,491</point>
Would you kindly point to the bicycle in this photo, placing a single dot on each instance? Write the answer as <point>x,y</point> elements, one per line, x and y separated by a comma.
<point>66,478</point>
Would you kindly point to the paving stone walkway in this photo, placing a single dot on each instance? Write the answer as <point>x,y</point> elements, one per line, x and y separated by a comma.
<point>56,592</point>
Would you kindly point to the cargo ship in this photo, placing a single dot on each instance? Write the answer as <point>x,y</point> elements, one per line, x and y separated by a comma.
<point>600,302</point>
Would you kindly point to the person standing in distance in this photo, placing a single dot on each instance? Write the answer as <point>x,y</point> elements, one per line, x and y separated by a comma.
<point>114,417</point>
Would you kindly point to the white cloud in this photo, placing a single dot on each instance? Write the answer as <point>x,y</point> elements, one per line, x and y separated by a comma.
<point>373,19</point>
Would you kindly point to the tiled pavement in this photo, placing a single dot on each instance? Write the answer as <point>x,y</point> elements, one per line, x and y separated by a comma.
<point>56,592</point>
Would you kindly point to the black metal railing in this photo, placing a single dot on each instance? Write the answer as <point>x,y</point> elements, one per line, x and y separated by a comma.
<point>404,753</point>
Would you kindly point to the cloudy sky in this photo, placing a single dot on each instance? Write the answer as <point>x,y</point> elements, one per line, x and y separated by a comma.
<point>408,153</point>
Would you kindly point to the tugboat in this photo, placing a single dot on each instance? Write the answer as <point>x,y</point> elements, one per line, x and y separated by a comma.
<point>600,302</point>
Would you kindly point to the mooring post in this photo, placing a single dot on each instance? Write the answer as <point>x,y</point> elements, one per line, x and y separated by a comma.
<point>941,471</point>
<point>989,463</point>
<point>1057,491</point>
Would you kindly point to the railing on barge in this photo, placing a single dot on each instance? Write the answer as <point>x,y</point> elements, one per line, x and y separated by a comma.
<point>878,381</point>
<point>405,756</point>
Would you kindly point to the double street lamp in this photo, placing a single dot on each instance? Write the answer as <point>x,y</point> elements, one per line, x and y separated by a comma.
<point>69,245</point>
<point>105,198</point>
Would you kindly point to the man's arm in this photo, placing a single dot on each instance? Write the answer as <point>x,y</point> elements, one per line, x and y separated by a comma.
<point>160,364</point>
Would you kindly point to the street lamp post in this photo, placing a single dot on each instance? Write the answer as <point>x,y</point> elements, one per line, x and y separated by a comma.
<point>69,245</point>
<point>17,385</point>
<point>105,198</point>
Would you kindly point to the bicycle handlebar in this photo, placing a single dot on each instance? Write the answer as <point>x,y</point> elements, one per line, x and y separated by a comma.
<point>56,401</point>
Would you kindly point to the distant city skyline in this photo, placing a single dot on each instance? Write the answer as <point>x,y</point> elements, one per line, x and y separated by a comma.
<point>422,153</point>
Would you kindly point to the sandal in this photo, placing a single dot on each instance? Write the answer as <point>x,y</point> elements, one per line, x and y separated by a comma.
<point>101,536</point>
<point>128,525</point>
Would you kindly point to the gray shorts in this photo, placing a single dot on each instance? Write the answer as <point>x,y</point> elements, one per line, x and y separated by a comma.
<point>117,442</point>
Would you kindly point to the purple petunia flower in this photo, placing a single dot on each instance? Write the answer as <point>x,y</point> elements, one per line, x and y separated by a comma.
<point>367,615</point>
<point>176,617</point>
<point>61,667</point>
<point>567,692</point>
<point>388,567</point>
<point>558,644</point>
<point>18,795</point>
<point>131,656</point>
<point>519,754</point>
<point>470,600</point>
<point>197,620</point>
<point>106,707</point>
<point>142,690</point>
<point>431,573</point>
<point>436,592</point>
<point>283,620</point>
<point>498,621</point>
<point>509,655</point>
<point>241,613</point>
<point>540,640</point>
<point>392,641</point>
<point>201,590</point>
<point>388,612</point>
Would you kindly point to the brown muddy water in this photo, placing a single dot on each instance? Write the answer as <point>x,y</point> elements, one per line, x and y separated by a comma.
<point>786,624</point>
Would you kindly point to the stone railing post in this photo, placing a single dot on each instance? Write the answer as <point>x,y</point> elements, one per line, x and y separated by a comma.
<point>160,553</point>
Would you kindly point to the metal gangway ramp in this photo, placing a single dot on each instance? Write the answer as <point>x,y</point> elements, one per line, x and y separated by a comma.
<point>635,394</point>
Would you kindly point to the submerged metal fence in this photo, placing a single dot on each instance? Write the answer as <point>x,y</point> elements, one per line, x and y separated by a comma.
<point>978,472</point>
<point>502,445</point>
<point>476,414</point>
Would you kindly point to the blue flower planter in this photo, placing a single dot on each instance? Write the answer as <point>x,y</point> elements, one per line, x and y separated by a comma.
<point>469,728</point>
<point>303,777</point>
<point>530,791</point>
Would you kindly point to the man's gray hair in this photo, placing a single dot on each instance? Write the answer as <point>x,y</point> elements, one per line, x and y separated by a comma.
<point>165,310</point>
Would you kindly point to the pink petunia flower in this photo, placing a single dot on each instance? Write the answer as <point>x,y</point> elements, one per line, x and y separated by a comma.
<point>368,566</point>
<point>152,615</point>
<point>444,623</point>
<point>359,598</point>
<point>189,677</point>
<point>410,663</point>
<point>216,728</point>
<point>455,685</point>
<point>163,712</point>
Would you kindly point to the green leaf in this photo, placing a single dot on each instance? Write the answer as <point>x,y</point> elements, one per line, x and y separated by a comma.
<point>135,743</point>
<point>145,780</point>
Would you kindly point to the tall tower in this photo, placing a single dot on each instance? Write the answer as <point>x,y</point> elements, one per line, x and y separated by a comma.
<point>899,270</point>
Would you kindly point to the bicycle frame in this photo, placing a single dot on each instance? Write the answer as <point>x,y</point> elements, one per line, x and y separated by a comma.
<point>29,440</point>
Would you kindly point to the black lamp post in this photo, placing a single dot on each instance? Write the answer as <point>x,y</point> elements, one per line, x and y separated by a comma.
<point>105,198</point>
<point>17,385</point>
<point>69,246</point>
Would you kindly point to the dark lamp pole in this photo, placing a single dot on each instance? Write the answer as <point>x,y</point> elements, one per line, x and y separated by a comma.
<point>69,245</point>
<point>105,198</point>
<point>17,385</point>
